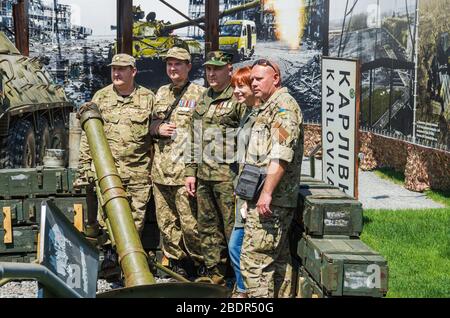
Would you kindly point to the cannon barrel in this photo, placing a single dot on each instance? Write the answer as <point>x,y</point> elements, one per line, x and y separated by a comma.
<point>132,257</point>
<point>231,11</point>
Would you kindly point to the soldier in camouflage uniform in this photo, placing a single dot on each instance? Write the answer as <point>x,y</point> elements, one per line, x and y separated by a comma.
<point>176,211</point>
<point>126,110</point>
<point>215,120</point>
<point>276,145</point>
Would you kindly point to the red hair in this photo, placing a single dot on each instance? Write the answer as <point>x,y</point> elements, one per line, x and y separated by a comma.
<point>242,76</point>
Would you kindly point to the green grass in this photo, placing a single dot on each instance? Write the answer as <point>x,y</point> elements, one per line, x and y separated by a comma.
<point>391,175</point>
<point>416,244</point>
<point>439,196</point>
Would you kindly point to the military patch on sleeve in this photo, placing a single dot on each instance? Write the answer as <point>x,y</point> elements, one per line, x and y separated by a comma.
<point>280,132</point>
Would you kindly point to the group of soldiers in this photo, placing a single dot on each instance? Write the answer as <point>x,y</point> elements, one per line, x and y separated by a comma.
<point>180,146</point>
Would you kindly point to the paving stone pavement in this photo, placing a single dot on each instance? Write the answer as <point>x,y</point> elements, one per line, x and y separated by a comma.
<point>377,193</point>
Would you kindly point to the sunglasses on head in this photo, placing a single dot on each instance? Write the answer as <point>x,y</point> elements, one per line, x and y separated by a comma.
<point>265,62</point>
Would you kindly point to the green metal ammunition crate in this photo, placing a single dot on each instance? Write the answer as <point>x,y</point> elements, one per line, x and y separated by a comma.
<point>28,211</point>
<point>32,208</point>
<point>36,181</point>
<point>24,240</point>
<point>19,258</point>
<point>329,211</point>
<point>306,178</point>
<point>309,181</point>
<point>344,267</point>
<point>307,287</point>
<point>21,194</point>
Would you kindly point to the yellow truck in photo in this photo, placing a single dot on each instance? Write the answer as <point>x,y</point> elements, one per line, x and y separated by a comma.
<point>238,37</point>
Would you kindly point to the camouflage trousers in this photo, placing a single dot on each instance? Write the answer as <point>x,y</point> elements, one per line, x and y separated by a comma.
<point>176,215</point>
<point>139,195</point>
<point>265,257</point>
<point>215,219</point>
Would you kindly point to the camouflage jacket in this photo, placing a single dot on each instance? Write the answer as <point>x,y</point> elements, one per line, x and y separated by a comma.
<point>126,126</point>
<point>278,134</point>
<point>213,131</point>
<point>172,153</point>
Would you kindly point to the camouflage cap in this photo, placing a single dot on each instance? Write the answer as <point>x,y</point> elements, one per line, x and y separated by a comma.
<point>178,53</point>
<point>123,60</point>
<point>218,58</point>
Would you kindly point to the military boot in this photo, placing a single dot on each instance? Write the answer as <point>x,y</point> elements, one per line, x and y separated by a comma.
<point>176,266</point>
<point>92,230</point>
<point>109,266</point>
<point>212,275</point>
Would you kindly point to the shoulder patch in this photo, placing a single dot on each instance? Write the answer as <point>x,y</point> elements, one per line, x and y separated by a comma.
<point>280,132</point>
<point>282,112</point>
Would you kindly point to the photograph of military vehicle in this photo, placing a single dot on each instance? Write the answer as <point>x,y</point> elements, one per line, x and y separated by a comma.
<point>152,38</point>
<point>34,110</point>
<point>239,38</point>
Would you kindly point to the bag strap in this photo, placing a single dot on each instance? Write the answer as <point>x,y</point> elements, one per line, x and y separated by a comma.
<point>177,100</point>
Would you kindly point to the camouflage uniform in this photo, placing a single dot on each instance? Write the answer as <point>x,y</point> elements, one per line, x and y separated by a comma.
<point>265,259</point>
<point>126,126</point>
<point>221,113</point>
<point>175,211</point>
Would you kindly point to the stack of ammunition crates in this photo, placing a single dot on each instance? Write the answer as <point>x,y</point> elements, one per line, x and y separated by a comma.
<point>21,194</point>
<point>330,259</point>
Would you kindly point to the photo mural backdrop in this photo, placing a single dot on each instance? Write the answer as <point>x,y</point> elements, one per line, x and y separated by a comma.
<point>382,35</point>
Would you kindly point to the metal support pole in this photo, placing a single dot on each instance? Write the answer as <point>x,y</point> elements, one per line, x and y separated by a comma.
<point>342,31</point>
<point>376,33</point>
<point>56,30</point>
<point>40,273</point>
<point>197,24</point>
<point>125,26</point>
<point>212,25</point>
<point>20,17</point>
<point>391,89</point>
<point>416,61</point>
<point>370,97</point>
<point>325,27</point>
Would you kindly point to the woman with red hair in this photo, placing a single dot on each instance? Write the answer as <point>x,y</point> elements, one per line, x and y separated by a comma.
<point>242,84</point>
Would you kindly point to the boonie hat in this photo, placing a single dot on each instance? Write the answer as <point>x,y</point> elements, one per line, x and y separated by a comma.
<point>123,59</point>
<point>178,53</point>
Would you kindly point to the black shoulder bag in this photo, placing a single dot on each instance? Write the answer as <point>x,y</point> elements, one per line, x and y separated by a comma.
<point>250,182</point>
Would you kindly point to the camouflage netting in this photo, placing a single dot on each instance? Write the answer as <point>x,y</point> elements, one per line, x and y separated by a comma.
<point>427,168</point>
<point>381,152</point>
<point>312,139</point>
<point>424,168</point>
